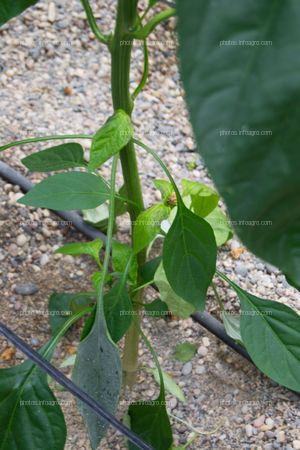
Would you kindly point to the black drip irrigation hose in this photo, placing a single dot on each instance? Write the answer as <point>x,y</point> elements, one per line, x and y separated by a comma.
<point>60,378</point>
<point>203,318</point>
<point>216,328</point>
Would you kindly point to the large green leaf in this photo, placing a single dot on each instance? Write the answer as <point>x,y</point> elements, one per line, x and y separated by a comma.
<point>271,334</point>
<point>98,372</point>
<point>68,191</point>
<point>91,248</point>
<point>110,139</point>
<point>12,8</point>
<point>65,156</point>
<point>118,311</point>
<point>189,256</point>
<point>31,417</point>
<point>245,113</point>
<point>176,304</point>
<point>147,226</point>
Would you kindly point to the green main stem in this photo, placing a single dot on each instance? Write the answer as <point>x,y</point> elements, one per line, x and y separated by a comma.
<point>121,48</point>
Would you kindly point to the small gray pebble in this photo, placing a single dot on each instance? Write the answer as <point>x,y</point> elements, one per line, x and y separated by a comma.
<point>200,370</point>
<point>35,341</point>
<point>241,269</point>
<point>202,351</point>
<point>268,446</point>
<point>26,289</point>
<point>187,368</point>
<point>270,434</point>
<point>249,430</point>
<point>44,259</point>
<point>172,403</point>
<point>62,24</point>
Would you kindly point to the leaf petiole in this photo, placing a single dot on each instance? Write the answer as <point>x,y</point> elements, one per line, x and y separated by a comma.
<point>45,138</point>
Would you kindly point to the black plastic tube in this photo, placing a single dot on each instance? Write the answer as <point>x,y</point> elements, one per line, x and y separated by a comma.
<point>215,327</point>
<point>60,378</point>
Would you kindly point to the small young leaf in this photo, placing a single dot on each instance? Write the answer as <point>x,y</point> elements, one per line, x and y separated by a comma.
<point>204,199</point>
<point>165,188</point>
<point>176,304</point>
<point>65,156</point>
<point>170,384</point>
<point>232,326</point>
<point>157,309</point>
<point>118,311</point>
<point>219,223</point>
<point>62,305</point>
<point>147,226</point>
<point>189,256</point>
<point>120,255</point>
<point>185,352</point>
<point>10,9</point>
<point>31,417</point>
<point>110,139</point>
<point>79,248</point>
<point>68,191</point>
<point>271,334</point>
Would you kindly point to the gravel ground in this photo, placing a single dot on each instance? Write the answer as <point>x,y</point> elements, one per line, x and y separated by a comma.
<point>54,78</point>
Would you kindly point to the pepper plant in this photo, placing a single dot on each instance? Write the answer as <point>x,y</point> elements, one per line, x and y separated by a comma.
<point>192,226</point>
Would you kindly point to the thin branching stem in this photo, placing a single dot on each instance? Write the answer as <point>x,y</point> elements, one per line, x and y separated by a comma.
<point>93,24</point>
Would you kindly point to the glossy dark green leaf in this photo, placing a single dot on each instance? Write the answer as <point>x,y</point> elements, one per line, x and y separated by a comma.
<point>147,225</point>
<point>65,156</point>
<point>176,304</point>
<point>245,114</point>
<point>151,422</point>
<point>271,334</point>
<point>31,417</point>
<point>149,268</point>
<point>63,305</point>
<point>189,256</point>
<point>110,139</point>
<point>185,352</point>
<point>118,311</point>
<point>12,8</point>
<point>98,372</point>
<point>68,191</point>
<point>91,248</point>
